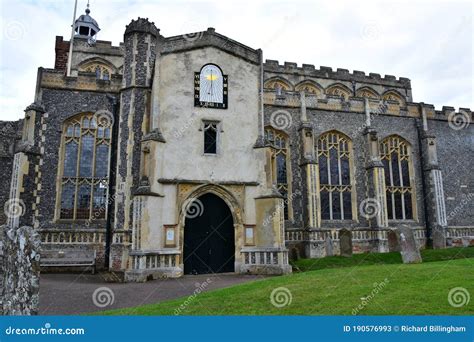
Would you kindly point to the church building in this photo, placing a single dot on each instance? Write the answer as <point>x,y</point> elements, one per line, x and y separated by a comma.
<point>190,154</point>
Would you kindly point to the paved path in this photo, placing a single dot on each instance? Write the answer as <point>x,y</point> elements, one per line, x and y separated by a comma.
<point>69,294</point>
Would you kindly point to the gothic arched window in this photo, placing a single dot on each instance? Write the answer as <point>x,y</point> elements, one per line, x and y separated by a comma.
<point>335,176</point>
<point>281,163</point>
<point>395,155</point>
<point>101,71</point>
<point>85,168</point>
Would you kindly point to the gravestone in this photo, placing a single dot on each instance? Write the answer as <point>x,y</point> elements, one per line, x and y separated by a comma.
<point>20,265</point>
<point>328,246</point>
<point>345,242</point>
<point>393,245</point>
<point>407,245</point>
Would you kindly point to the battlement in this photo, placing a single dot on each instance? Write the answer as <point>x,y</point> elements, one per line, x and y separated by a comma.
<point>84,81</point>
<point>142,25</point>
<point>339,74</point>
<point>357,105</point>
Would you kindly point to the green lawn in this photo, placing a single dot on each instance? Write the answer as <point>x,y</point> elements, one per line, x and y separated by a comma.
<point>428,255</point>
<point>418,289</point>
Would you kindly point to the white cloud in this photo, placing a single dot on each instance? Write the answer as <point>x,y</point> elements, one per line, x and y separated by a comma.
<point>429,42</point>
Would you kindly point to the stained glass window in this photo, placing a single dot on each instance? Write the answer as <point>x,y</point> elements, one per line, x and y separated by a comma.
<point>85,169</point>
<point>398,188</point>
<point>279,142</point>
<point>334,156</point>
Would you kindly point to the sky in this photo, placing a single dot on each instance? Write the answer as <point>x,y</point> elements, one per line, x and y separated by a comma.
<point>430,42</point>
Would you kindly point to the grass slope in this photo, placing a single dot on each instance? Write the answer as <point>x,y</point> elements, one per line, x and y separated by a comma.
<point>428,255</point>
<point>419,289</point>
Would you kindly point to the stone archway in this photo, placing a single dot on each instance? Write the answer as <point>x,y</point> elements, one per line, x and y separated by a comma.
<point>194,201</point>
<point>209,239</point>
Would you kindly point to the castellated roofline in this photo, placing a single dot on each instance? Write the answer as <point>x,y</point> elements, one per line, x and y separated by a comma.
<point>340,74</point>
<point>356,104</point>
<point>142,25</point>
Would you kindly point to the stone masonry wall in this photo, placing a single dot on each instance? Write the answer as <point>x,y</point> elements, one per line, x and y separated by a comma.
<point>9,132</point>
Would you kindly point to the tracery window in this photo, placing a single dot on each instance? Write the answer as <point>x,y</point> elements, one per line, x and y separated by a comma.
<point>85,168</point>
<point>395,155</point>
<point>335,176</point>
<point>101,72</point>
<point>281,162</point>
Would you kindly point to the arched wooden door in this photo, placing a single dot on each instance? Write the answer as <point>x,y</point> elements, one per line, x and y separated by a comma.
<point>209,241</point>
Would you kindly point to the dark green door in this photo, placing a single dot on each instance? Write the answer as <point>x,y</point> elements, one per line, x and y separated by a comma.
<point>209,245</point>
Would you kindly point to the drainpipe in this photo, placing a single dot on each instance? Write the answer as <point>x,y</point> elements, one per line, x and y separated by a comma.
<point>112,178</point>
<point>423,125</point>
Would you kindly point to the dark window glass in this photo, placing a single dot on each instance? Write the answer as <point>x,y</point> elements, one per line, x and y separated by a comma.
<point>336,205</point>
<point>83,30</point>
<point>389,205</point>
<point>405,173</point>
<point>99,200</point>
<point>325,205</point>
<point>323,169</point>
<point>83,201</point>
<point>67,201</point>
<point>281,168</point>
<point>345,171</point>
<point>210,140</point>
<point>335,170</point>
<point>334,166</point>
<point>395,170</point>
<point>86,148</point>
<point>347,205</point>
<point>101,160</point>
<point>87,153</point>
<point>398,206</point>
<point>70,159</point>
<point>97,72</point>
<point>408,206</point>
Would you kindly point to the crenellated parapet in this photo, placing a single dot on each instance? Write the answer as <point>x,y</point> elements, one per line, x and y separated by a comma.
<point>142,25</point>
<point>83,81</point>
<point>338,74</point>
<point>356,104</point>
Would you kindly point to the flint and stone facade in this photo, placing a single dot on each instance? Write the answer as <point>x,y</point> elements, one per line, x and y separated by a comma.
<point>157,164</point>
